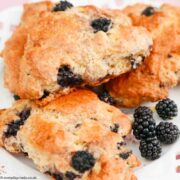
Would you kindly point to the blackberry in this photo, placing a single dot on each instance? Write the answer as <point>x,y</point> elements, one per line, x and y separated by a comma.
<point>106,97</point>
<point>62,6</point>
<point>125,155</point>
<point>67,78</point>
<point>101,24</point>
<point>143,111</point>
<point>115,128</point>
<point>167,132</point>
<point>45,94</point>
<point>144,127</point>
<point>25,114</point>
<point>149,11</point>
<point>70,175</point>
<point>12,128</point>
<point>166,109</point>
<point>16,97</point>
<point>150,148</point>
<point>82,161</point>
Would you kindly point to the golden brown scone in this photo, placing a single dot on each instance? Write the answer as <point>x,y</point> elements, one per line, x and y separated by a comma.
<point>160,71</point>
<point>14,48</point>
<point>80,46</point>
<point>76,135</point>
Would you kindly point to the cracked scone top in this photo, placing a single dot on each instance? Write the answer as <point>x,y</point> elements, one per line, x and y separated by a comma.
<point>74,135</point>
<point>60,50</point>
<point>161,69</point>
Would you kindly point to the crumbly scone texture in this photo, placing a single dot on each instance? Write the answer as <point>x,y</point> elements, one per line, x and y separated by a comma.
<point>160,72</point>
<point>79,121</point>
<point>79,46</point>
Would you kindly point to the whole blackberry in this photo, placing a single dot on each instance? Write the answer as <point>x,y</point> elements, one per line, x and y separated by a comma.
<point>166,109</point>
<point>167,132</point>
<point>144,127</point>
<point>82,161</point>
<point>143,111</point>
<point>62,6</point>
<point>101,24</point>
<point>150,148</point>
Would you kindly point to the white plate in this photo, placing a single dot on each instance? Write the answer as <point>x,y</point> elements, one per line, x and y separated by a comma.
<point>18,166</point>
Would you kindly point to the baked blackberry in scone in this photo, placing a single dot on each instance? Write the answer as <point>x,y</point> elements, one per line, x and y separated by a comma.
<point>161,69</point>
<point>72,136</point>
<point>64,47</point>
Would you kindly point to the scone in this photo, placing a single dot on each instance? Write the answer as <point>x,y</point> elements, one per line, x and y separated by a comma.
<point>76,136</point>
<point>160,72</point>
<point>61,47</point>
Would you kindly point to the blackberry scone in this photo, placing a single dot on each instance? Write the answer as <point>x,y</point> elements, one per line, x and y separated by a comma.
<point>76,136</point>
<point>161,69</point>
<point>62,47</point>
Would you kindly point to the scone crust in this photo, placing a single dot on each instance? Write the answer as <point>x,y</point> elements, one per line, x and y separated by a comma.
<point>79,121</point>
<point>151,82</point>
<point>52,40</point>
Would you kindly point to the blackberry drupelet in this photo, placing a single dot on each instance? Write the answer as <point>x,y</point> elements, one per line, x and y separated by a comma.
<point>167,132</point>
<point>106,97</point>
<point>62,6</point>
<point>144,127</point>
<point>143,111</point>
<point>150,148</point>
<point>67,78</point>
<point>101,24</point>
<point>166,109</point>
<point>149,11</point>
<point>82,161</point>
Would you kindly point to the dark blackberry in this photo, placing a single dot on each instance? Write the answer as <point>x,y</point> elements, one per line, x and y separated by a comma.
<point>143,111</point>
<point>167,132</point>
<point>150,148</point>
<point>115,128</point>
<point>82,161</point>
<point>70,175</point>
<point>144,127</point>
<point>16,97</point>
<point>101,24</point>
<point>62,6</point>
<point>149,11</point>
<point>58,176</point>
<point>106,97</point>
<point>166,109</point>
<point>67,78</point>
<point>125,155</point>
<point>45,94</point>
<point>25,114</point>
<point>12,128</point>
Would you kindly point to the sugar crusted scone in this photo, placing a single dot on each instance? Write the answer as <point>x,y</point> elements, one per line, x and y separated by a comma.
<point>76,135</point>
<point>161,69</point>
<point>79,46</point>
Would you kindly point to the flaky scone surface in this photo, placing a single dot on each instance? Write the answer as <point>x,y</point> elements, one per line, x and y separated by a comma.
<point>60,50</point>
<point>160,71</point>
<point>53,134</point>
